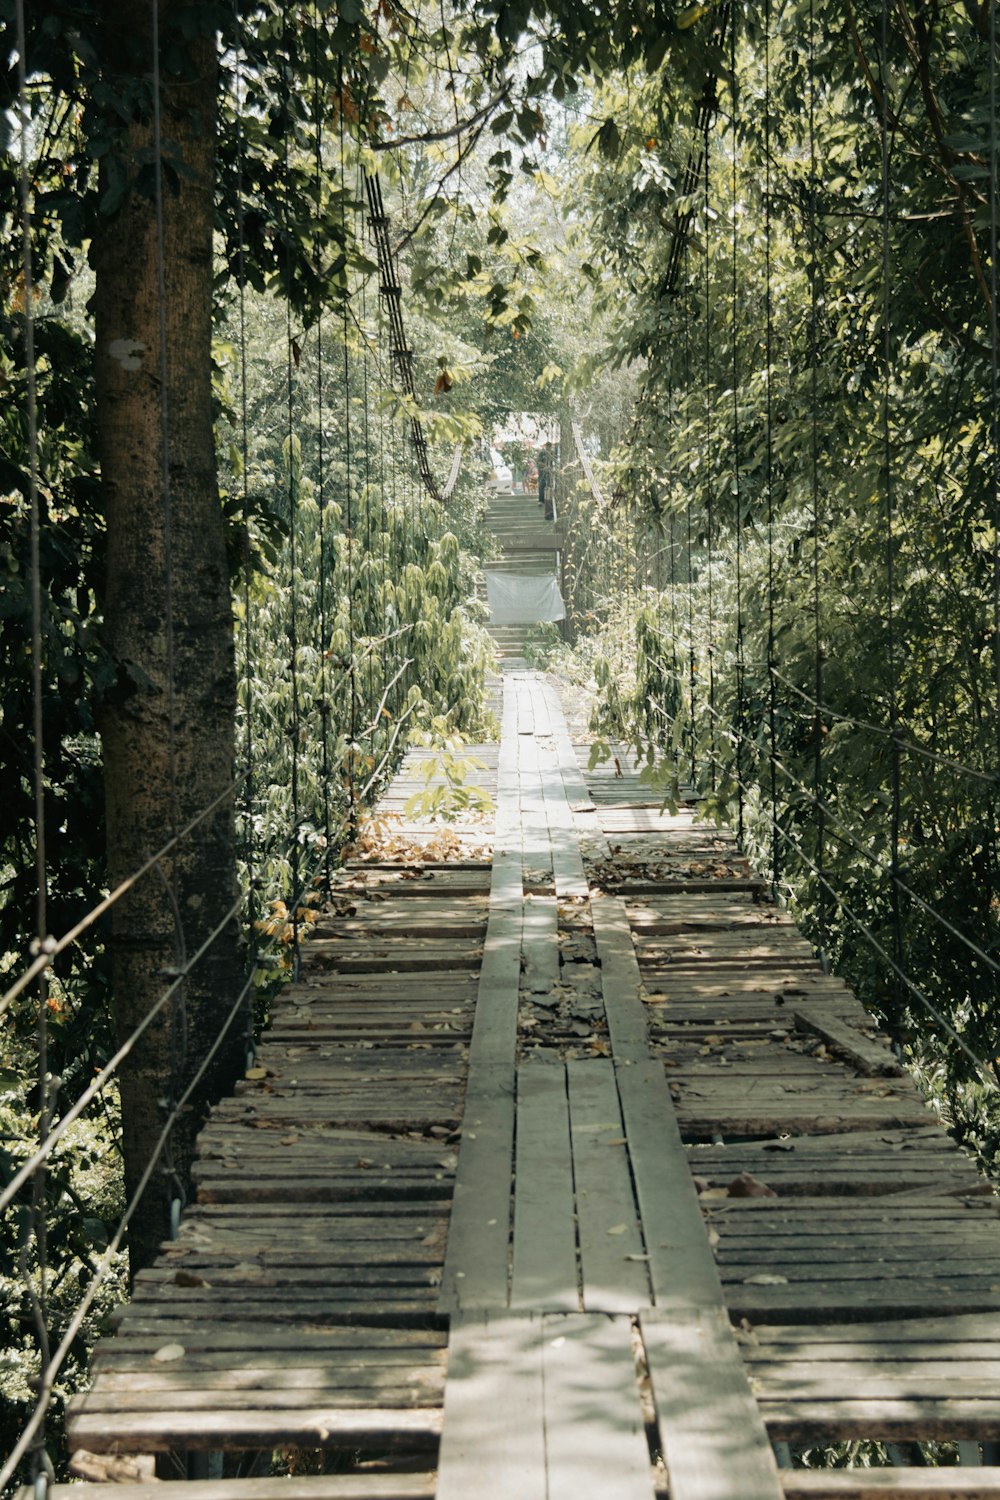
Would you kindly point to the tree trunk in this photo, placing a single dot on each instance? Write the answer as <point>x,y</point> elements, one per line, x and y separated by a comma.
<point>167,725</point>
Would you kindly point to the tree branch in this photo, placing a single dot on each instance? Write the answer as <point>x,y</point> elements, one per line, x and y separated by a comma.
<point>463,153</point>
<point>450,131</point>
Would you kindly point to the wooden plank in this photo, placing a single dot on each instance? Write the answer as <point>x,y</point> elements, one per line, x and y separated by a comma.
<point>870,1057</point>
<point>394,1366</point>
<point>544,1272</point>
<point>953,1332</point>
<point>909,1380</point>
<point>475,1267</point>
<point>362,1486</point>
<point>613,1264</point>
<point>681,1266</point>
<point>621,984</point>
<point>476,1261</point>
<point>882,1419</point>
<point>975,1272</point>
<point>322,1427</point>
<point>540,945</point>
<point>714,1441</point>
<point>567,860</point>
<point>345,1303</point>
<point>703,1119</point>
<point>493,1441</point>
<point>129,1359</point>
<point>974,1483</point>
<point>406,1389</point>
<point>595,1440</point>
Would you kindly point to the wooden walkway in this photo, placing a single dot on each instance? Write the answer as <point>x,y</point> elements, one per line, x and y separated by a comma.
<point>564,1176</point>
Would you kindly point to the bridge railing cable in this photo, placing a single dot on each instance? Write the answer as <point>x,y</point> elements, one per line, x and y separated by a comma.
<point>401,354</point>
<point>384,642</point>
<point>107,1262</point>
<point>985,1068</point>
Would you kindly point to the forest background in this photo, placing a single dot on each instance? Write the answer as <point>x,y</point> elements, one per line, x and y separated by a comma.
<point>752,249</point>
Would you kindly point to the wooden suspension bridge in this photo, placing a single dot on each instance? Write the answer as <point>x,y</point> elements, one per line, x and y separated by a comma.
<point>564,1173</point>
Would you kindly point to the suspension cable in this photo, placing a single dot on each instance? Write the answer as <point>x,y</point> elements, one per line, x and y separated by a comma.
<point>352,749</point>
<point>401,354</point>
<point>321,497</point>
<point>105,1266</point>
<point>772,707</point>
<point>164,373</point>
<point>890,516</point>
<point>813,334</point>
<point>982,1066</point>
<point>709,453</point>
<point>37,1236</point>
<point>994,473</point>
<point>249,840</point>
<point>740,665</point>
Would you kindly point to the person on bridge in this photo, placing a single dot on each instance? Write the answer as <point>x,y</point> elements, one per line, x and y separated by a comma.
<point>546,479</point>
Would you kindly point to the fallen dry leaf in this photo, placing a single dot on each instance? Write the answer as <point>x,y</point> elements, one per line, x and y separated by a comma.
<point>746,1185</point>
<point>169,1352</point>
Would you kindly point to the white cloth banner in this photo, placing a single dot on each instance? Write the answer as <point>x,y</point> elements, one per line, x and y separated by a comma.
<point>523,599</point>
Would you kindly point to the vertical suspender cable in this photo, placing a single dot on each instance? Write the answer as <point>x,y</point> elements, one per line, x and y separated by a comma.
<point>348,487</point>
<point>737,479</point>
<point>293,519</point>
<point>772,714</point>
<point>994,394</point>
<point>321,505</point>
<point>674,659</point>
<point>249,842</point>
<point>395,548</point>
<point>384,538</point>
<point>369,629</point>
<point>168,528</point>
<point>890,551</point>
<point>818,725</point>
<point>675,669</point>
<point>709,465</point>
<point>692,672</point>
<point>39,1204</point>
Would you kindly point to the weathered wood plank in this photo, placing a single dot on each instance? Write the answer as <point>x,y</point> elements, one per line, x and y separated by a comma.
<point>540,945</point>
<point>908,1380</point>
<point>544,1271</point>
<point>322,1427</point>
<point>884,1419</point>
<point>409,1389</point>
<point>870,1057</point>
<point>613,1263</point>
<point>714,1441</point>
<point>595,1442</point>
<point>361,1486</point>
<point>681,1265</point>
<point>476,1262</point>
<point>621,984</point>
<point>892,1484</point>
<point>493,1441</point>
<point>959,1333</point>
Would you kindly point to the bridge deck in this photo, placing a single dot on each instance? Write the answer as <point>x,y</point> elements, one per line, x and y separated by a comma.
<point>565,1175</point>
